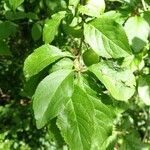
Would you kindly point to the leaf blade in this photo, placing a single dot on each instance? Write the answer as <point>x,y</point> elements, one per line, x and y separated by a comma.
<point>104,117</point>
<point>41,58</point>
<point>51,27</point>
<point>76,121</point>
<point>115,80</point>
<point>15,3</point>
<point>51,95</point>
<point>107,38</point>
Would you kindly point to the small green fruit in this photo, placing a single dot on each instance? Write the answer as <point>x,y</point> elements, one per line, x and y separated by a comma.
<point>90,57</point>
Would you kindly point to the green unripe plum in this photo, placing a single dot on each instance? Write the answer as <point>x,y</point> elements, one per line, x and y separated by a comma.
<point>90,58</point>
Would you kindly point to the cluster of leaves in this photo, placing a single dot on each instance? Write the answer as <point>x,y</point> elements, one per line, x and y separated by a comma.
<point>17,129</point>
<point>89,78</point>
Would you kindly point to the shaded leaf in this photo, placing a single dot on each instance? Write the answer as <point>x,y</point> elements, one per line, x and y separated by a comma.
<point>4,50</point>
<point>10,15</point>
<point>55,134</point>
<point>7,28</point>
<point>132,141</point>
<point>36,31</point>
<point>30,86</point>
<point>32,15</point>
<point>74,31</point>
<point>146,16</point>
<point>15,3</point>
<point>51,27</point>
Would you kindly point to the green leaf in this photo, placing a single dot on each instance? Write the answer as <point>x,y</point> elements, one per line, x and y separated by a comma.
<point>132,142</point>
<point>15,3</point>
<point>135,62</point>
<point>55,6</point>
<point>32,15</point>
<point>74,2</point>
<point>137,30</point>
<point>4,50</point>
<point>119,16</point>
<point>7,28</point>
<point>107,38</point>
<point>18,15</point>
<point>90,84</point>
<point>51,27</point>
<point>41,58</point>
<point>36,31</point>
<point>146,16</point>
<point>64,63</point>
<point>10,15</point>
<point>144,89</point>
<point>54,134</point>
<point>74,31</point>
<point>104,117</point>
<point>93,8</point>
<point>76,122</point>
<point>106,110</point>
<point>87,120</point>
<point>118,107</point>
<point>51,96</point>
<point>120,83</point>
